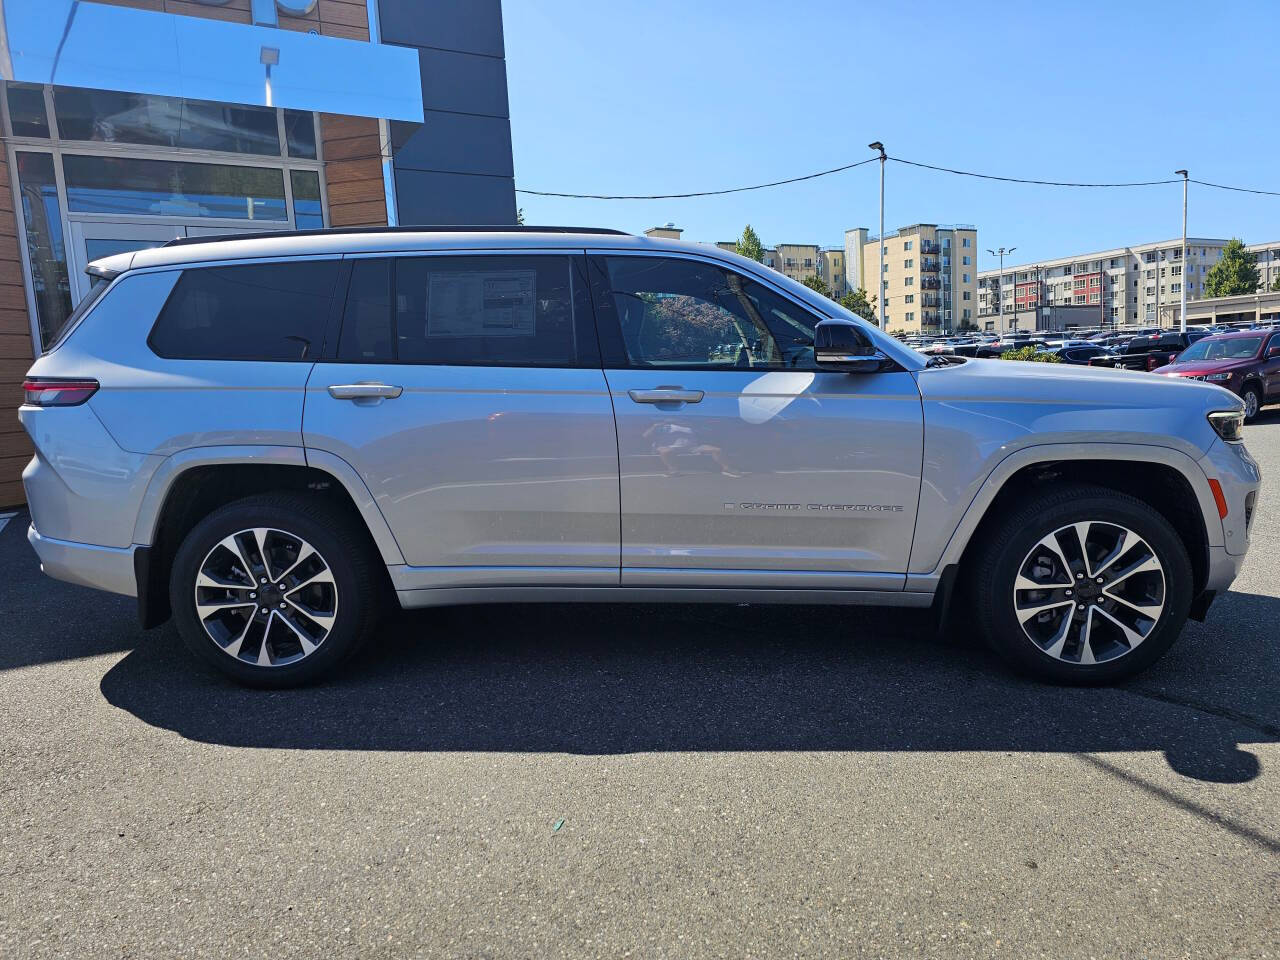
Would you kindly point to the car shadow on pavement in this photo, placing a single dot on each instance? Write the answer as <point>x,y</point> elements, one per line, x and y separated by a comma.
<point>621,678</point>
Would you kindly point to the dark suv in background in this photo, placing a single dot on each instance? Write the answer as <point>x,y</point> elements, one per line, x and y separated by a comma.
<point>1246,362</point>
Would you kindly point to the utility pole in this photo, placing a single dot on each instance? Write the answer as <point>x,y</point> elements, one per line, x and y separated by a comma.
<point>1000,253</point>
<point>1182,314</point>
<point>880,276</point>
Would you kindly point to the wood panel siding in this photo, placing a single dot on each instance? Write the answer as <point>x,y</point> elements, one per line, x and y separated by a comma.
<point>352,151</point>
<point>332,18</point>
<point>16,351</point>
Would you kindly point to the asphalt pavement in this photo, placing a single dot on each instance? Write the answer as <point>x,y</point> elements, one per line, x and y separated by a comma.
<point>645,781</point>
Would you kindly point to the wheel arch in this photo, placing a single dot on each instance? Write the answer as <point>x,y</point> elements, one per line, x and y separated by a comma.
<point>1167,479</point>
<point>192,484</point>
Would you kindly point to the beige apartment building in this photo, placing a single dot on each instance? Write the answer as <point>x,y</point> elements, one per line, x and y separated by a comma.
<point>1122,286</point>
<point>929,283</point>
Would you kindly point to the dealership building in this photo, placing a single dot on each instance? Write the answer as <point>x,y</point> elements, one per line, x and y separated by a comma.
<point>129,123</point>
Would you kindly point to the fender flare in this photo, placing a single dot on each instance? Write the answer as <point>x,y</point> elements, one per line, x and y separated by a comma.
<point>1185,465</point>
<point>173,466</point>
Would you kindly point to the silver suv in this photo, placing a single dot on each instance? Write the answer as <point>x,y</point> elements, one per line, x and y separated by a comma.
<point>274,438</point>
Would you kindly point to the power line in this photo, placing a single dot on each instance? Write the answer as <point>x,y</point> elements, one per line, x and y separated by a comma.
<point>698,193</point>
<point>1222,186</point>
<point>1043,183</point>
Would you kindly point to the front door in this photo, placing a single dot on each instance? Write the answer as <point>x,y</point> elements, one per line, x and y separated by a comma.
<point>742,463</point>
<point>467,392</point>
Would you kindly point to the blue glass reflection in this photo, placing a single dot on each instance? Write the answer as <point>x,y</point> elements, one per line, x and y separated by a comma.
<point>169,188</point>
<point>81,45</point>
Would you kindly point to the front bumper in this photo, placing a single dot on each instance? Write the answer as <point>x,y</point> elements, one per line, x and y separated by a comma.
<point>103,568</point>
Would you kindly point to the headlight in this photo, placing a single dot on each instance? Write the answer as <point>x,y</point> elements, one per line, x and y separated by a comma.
<point>1228,424</point>
<point>1217,377</point>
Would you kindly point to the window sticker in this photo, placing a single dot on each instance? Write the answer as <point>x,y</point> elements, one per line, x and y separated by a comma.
<point>498,303</point>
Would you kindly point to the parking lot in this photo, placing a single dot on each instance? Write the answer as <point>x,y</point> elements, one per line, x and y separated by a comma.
<point>546,781</point>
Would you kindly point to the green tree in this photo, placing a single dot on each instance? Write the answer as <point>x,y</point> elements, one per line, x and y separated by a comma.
<point>1275,284</point>
<point>856,301</point>
<point>749,245</point>
<point>520,216</point>
<point>815,282</point>
<point>1234,274</point>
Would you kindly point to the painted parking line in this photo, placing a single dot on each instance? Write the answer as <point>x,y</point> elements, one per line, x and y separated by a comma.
<point>5,518</point>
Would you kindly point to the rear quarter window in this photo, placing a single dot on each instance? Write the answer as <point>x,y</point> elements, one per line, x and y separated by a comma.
<point>260,311</point>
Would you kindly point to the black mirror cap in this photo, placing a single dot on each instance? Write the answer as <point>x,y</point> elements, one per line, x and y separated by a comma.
<point>842,345</point>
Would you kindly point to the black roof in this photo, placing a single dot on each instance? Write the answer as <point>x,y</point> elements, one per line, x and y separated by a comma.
<point>432,228</point>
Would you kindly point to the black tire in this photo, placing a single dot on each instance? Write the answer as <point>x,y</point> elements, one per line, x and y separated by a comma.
<point>1254,390</point>
<point>342,546</point>
<point>1006,546</point>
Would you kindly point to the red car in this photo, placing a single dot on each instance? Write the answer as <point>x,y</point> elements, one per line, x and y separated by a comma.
<point>1246,362</point>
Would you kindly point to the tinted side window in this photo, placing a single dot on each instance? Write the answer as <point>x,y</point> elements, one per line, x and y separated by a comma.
<point>262,311</point>
<point>687,313</point>
<point>366,321</point>
<point>501,311</point>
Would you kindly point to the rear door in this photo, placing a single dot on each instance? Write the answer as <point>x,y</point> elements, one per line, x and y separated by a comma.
<point>1271,368</point>
<point>467,392</point>
<point>741,463</point>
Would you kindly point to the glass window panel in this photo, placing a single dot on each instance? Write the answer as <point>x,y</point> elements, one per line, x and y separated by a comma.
<point>168,188</point>
<point>96,249</point>
<point>47,253</point>
<point>508,310</point>
<point>691,314</point>
<point>308,212</point>
<point>300,132</point>
<point>366,322</point>
<point>108,116</point>
<point>26,110</point>
<point>265,311</point>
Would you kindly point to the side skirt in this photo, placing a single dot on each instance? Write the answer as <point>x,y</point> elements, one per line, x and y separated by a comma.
<point>453,596</point>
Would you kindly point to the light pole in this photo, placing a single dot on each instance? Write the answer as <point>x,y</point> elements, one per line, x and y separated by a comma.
<point>1000,253</point>
<point>1182,314</point>
<point>880,276</point>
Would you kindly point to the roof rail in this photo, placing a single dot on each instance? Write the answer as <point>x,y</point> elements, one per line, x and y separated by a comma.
<point>468,228</point>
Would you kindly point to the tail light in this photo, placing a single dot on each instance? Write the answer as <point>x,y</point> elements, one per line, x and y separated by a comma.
<point>1151,361</point>
<point>57,392</point>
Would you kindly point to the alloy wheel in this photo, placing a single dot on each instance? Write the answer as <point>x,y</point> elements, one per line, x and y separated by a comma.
<point>1251,404</point>
<point>266,597</point>
<point>1089,592</point>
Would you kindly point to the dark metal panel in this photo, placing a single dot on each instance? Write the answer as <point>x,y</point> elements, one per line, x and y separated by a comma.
<point>444,198</point>
<point>455,143</point>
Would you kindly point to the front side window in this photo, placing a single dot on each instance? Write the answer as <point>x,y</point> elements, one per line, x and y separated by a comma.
<point>260,311</point>
<point>462,311</point>
<point>691,314</point>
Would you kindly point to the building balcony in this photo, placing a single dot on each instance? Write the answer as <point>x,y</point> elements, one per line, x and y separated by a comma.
<point>927,247</point>
<point>930,283</point>
<point>930,317</point>
<point>930,266</point>
<point>930,301</point>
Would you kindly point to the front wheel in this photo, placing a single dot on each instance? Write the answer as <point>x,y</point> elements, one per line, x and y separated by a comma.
<point>1252,397</point>
<point>273,590</point>
<point>1083,585</point>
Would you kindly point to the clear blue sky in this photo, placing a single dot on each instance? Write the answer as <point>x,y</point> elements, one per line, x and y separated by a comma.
<point>665,96</point>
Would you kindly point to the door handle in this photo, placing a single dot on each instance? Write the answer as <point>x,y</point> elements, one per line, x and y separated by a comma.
<point>666,395</point>
<point>365,391</point>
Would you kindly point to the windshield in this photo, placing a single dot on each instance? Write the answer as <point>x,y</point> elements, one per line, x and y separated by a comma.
<point>1237,348</point>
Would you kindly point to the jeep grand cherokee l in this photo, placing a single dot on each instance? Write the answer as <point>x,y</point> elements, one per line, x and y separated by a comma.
<point>273,438</point>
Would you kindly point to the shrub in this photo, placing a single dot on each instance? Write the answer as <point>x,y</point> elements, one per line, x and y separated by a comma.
<point>1032,354</point>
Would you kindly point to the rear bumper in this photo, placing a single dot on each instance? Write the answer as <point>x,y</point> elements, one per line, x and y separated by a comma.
<point>103,568</point>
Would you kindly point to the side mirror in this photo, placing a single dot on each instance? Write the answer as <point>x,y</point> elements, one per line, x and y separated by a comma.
<point>1273,352</point>
<point>841,345</point>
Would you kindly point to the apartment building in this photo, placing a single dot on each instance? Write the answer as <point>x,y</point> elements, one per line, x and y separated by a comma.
<point>1125,285</point>
<point>929,281</point>
<point>802,261</point>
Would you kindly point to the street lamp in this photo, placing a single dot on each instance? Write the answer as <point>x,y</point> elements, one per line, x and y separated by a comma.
<point>1000,253</point>
<point>880,276</point>
<point>1182,315</point>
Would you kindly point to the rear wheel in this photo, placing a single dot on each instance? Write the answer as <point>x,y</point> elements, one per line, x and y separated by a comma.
<point>1083,585</point>
<point>273,590</point>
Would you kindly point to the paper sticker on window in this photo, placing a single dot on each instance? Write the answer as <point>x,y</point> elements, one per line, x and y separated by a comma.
<point>496,303</point>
